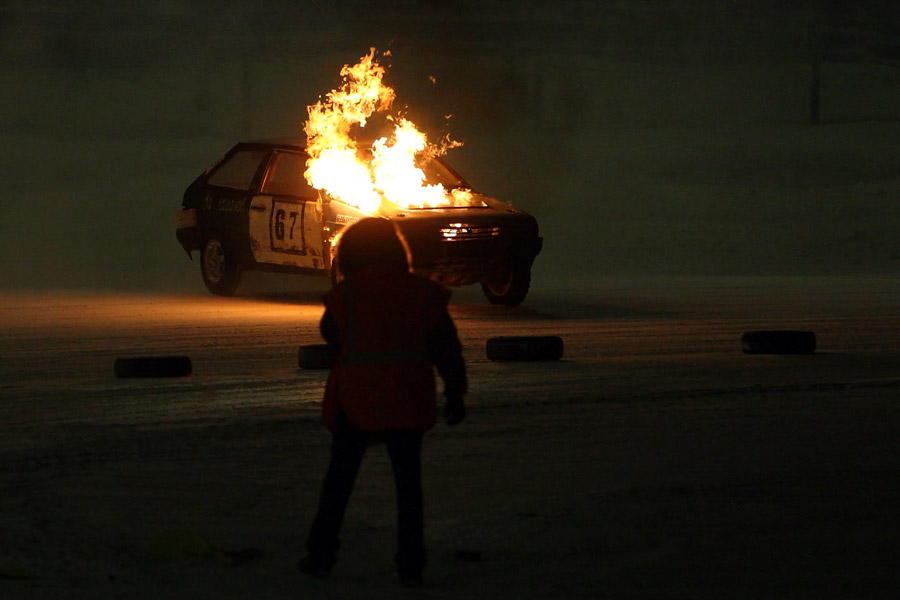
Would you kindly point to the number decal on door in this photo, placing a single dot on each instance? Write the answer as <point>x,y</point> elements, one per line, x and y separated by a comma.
<point>286,227</point>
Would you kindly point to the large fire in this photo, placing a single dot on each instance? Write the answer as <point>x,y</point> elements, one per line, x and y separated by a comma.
<point>387,170</point>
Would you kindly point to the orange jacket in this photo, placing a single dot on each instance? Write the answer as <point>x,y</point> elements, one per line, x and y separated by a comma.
<point>384,376</point>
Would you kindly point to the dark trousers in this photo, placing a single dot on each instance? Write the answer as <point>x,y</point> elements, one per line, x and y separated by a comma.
<point>348,445</point>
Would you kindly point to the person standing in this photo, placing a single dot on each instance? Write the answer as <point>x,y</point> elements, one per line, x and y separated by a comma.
<point>390,330</point>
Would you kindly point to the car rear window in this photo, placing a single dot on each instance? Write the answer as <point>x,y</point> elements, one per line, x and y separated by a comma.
<point>237,171</point>
<point>285,176</point>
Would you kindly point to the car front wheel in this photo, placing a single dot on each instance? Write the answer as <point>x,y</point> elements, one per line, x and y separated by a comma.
<point>508,289</point>
<point>336,275</point>
<point>220,273</point>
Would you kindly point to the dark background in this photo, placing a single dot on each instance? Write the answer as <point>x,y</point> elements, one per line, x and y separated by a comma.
<point>647,137</point>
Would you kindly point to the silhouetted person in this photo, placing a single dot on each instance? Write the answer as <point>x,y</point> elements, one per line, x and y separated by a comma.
<point>390,329</point>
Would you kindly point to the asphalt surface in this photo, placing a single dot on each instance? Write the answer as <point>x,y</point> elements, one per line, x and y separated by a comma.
<point>699,469</point>
<point>631,338</point>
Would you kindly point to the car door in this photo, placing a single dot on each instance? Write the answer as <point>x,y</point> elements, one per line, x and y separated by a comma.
<point>285,225</point>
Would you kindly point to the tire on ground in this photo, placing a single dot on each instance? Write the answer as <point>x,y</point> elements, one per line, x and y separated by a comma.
<point>153,366</point>
<point>315,356</point>
<point>778,341</point>
<point>525,348</point>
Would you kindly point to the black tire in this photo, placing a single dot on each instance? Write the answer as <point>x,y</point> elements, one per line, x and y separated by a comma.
<point>336,275</point>
<point>153,366</point>
<point>508,289</point>
<point>525,348</point>
<point>220,272</point>
<point>315,356</point>
<point>778,342</point>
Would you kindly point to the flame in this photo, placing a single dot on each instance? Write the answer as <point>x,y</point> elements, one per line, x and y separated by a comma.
<point>387,171</point>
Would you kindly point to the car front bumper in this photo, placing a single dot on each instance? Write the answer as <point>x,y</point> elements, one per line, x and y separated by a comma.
<point>471,250</point>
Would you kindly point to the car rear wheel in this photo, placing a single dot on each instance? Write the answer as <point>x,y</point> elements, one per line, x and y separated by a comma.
<point>508,289</point>
<point>220,273</point>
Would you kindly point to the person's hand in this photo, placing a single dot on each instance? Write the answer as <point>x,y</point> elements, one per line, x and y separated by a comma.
<point>454,410</point>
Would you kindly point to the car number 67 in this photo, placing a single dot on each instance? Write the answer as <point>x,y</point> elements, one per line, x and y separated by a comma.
<point>279,223</point>
<point>287,227</point>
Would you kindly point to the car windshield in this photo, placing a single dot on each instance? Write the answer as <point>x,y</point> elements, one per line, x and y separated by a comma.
<point>437,172</point>
<point>456,192</point>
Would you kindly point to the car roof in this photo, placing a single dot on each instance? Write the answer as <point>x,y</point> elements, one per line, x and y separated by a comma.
<point>299,143</point>
<point>296,142</point>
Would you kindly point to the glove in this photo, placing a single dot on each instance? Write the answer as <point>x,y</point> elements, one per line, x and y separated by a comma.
<point>454,410</point>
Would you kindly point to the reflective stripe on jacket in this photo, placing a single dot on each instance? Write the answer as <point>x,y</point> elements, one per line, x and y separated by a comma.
<point>384,376</point>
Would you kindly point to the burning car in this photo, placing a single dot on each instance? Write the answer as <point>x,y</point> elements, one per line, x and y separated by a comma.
<point>253,210</point>
<point>280,205</point>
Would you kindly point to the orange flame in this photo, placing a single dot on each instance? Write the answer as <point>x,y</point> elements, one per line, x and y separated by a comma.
<point>346,172</point>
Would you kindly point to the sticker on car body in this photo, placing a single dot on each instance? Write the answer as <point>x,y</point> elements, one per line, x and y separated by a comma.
<point>234,205</point>
<point>285,231</point>
<point>286,227</point>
